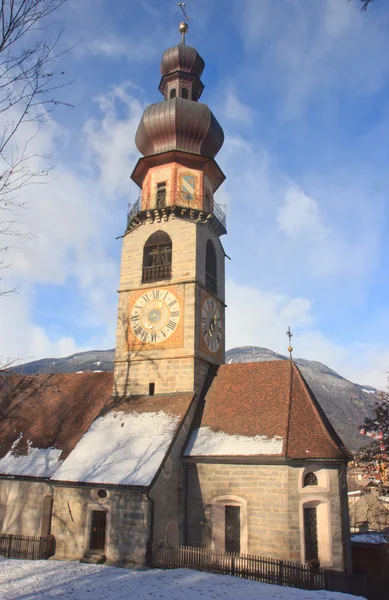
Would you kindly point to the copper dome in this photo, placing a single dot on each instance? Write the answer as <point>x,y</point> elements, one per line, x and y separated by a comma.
<point>179,124</point>
<point>182,58</point>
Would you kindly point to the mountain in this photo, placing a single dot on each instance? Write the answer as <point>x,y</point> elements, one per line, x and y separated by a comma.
<point>346,404</point>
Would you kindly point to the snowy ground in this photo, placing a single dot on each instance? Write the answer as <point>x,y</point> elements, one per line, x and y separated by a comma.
<point>30,580</point>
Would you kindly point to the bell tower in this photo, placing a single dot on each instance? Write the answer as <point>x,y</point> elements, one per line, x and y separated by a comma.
<point>171,297</point>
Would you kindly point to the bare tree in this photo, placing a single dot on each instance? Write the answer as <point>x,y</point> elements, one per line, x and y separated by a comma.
<point>365,4</point>
<point>29,83</point>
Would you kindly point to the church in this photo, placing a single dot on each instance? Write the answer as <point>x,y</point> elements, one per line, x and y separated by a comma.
<point>174,446</point>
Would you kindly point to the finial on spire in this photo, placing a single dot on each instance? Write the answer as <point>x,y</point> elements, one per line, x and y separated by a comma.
<point>183,28</point>
<point>290,335</point>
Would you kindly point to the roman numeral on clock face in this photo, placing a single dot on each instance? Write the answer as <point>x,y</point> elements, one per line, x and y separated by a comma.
<point>155,316</point>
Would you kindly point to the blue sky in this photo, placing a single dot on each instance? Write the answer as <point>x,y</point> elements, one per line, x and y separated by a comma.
<point>301,88</point>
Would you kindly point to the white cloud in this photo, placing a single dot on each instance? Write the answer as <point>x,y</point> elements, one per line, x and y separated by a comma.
<point>110,142</point>
<point>259,318</point>
<point>299,213</point>
<point>234,109</point>
<point>72,221</point>
<point>311,48</point>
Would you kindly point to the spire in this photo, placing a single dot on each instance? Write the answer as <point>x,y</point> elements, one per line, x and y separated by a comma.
<point>290,335</point>
<point>180,122</point>
<point>183,28</point>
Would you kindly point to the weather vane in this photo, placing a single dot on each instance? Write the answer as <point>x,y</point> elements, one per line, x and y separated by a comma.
<point>182,6</point>
<point>290,335</point>
<point>183,28</point>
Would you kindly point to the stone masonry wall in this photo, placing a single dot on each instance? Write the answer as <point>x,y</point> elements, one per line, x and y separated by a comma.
<point>168,490</point>
<point>274,507</point>
<point>127,523</point>
<point>21,504</point>
<point>170,368</point>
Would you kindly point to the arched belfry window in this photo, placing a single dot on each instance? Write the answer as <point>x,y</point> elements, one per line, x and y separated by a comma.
<point>173,93</point>
<point>210,267</point>
<point>157,257</point>
<point>310,479</point>
<point>184,93</point>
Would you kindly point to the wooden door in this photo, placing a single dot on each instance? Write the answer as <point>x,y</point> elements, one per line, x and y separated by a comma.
<point>98,529</point>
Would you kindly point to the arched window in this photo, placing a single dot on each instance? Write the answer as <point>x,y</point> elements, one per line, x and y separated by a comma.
<point>173,93</point>
<point>157,257</point>
<point>184,93</point>
<point>210,267</point>
<point>310,479</point>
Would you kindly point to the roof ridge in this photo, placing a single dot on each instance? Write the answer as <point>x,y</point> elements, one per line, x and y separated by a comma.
<point>323,420</point>
<point>289,407</point>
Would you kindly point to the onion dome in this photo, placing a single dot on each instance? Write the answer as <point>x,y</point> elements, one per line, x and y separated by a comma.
<point>182,58</point>
<point>180,122</point>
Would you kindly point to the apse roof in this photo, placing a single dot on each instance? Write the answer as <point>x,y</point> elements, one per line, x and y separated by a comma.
<point>262,409</point>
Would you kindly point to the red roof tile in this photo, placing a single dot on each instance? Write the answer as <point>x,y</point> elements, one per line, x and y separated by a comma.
<point>269,399</point>
<point>50,410</point>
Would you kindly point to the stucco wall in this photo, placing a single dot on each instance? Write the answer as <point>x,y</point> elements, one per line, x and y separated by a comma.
<point>275,501</point>
<point>21,505</point>
<point>127,523</point>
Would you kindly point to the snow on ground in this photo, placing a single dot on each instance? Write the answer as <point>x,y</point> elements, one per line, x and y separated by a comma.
<point>44,580</point>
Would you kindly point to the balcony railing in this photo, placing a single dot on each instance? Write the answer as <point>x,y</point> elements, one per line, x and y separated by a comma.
<point>177,198</point>
<point>156,273</point>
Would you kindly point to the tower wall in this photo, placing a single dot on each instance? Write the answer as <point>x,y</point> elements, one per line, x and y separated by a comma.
<point>181,364</point>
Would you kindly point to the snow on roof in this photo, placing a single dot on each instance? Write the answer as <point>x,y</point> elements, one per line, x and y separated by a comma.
<point>37,462</point>
<point>120,448</point>
<point>371,537</point>
<point>204,441</point>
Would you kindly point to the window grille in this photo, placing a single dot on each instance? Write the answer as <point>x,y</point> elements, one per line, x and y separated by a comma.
<point>232,529</point>
<point>157,257</point>
<point>310,479</point>
<point>161,195</point>
<point>310,534</point>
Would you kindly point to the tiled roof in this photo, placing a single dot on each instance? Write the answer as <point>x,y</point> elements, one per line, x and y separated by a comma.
<point>45,419</point>
<point>49,411</point>
<point>127,444</point>
<point>269,402</point>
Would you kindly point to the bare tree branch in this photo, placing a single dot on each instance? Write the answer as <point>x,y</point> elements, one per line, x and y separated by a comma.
<point>29,83</point>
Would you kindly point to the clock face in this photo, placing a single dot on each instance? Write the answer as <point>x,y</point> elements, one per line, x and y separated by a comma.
<point>155,316</point>
<point>211,324</point>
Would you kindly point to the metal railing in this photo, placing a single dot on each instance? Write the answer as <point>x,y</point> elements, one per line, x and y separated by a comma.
<point>178,198</point>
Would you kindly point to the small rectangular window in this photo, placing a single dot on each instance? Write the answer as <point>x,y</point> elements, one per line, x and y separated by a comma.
<point>232,529</point>
<point>161,195</point>
<point>151,389</point>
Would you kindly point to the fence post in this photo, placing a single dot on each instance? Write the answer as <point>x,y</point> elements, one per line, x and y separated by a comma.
<point>232,565</point>
<point>9,551</point>
<point>281,573</point>
<point>325,579</point>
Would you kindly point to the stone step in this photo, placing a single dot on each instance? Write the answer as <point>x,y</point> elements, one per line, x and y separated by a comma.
<point>93,558</point>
